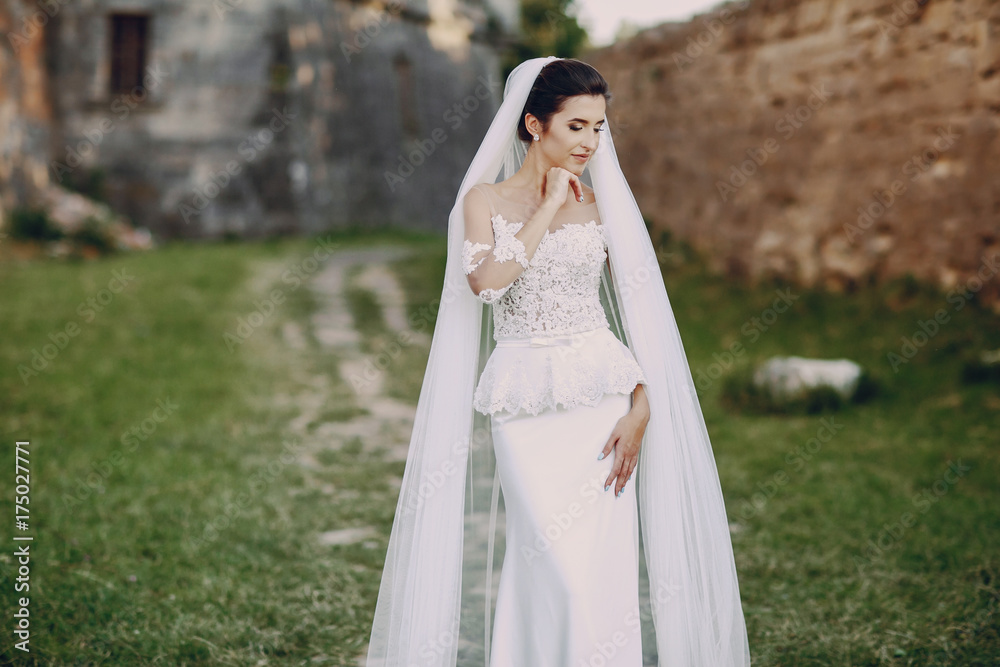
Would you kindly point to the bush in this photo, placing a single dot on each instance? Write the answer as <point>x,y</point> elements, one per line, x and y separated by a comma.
<point>33,224</point>
<point>984,368</point>
<point>93,233</point>
<point>91,183</point>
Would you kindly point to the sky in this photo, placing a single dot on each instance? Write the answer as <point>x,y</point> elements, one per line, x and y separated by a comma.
<point>602,18</point>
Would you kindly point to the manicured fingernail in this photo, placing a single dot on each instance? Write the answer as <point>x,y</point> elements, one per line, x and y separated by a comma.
<point>580,198</point>
<point>607,487</point>
<point>601,456</point>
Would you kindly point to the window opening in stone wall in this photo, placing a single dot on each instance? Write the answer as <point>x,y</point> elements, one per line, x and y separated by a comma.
<point>129,48</point>
<point>407,102</point>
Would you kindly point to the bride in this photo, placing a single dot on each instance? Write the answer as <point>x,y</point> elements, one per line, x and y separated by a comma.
<point>556,372</point>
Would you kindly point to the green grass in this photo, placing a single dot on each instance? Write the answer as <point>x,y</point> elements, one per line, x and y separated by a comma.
<point>127,567</point>
<point>127,573</point>
<point>807,504</point>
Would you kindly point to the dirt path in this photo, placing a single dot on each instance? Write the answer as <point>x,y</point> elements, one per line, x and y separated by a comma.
<point>388,423</point>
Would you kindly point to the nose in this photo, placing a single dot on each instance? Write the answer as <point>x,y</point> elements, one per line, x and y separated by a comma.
<point>590,143</point>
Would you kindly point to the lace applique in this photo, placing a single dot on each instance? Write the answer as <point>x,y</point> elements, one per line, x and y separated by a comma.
<point>535,379</point>
<point>469,251</point>
<point>508,246</point>
<point>560,292</point>
<point>489,295</point>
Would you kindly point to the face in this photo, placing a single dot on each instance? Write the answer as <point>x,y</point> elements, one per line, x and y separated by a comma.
<point>573,133</point>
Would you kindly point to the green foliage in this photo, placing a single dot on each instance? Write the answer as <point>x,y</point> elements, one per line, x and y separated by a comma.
<point>549,28</point>
<point>95,234</point>
<point>280,76</point>
<point>33,224</point>
<point>984,367</point>
<point>869,387</point>
<point>91,183</point>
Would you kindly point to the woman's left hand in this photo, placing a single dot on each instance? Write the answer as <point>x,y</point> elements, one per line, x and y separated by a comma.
<point>626,439</point>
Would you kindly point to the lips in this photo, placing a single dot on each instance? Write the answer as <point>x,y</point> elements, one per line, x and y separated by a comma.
<point>582,157</point>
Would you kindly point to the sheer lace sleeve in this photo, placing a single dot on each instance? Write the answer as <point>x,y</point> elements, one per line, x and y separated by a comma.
<point>469,252</point>
<point>508,246</point>
<point>488,272</point>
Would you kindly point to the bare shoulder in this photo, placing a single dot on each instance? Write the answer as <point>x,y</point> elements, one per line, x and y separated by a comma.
<point>475,193</point>
<point>475,204</point>
<point>503,190</point>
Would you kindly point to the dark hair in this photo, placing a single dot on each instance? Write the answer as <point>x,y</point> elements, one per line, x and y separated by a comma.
<point>557,82</point>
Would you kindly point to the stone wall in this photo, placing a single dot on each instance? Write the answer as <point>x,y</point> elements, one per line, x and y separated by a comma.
<point>833,142</point>
<point>398,102</point>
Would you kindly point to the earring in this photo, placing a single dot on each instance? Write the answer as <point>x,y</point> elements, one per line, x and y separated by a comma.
<point>536,137</point>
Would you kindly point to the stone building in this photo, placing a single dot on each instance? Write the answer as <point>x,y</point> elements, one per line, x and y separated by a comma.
<point>206,118</point>
<point>834,142</point>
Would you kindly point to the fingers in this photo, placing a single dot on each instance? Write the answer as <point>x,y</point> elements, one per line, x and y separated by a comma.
<point>624,476</point>
<point>614,473</point>
<point>577,186</point>
<point>612,439</point>
<point>629,469</point>
<point>626,440</point>
<point>624,465</point>
<point>558,178</point>
<point>620,474</point>
<point>608,446</point>
<point>621,471</point>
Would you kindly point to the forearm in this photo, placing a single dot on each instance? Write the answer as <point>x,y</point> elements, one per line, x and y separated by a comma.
<point>640,403</point>
<point>495,270</point>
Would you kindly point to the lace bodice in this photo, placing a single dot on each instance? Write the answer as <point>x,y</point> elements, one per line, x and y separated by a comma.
<point>558,291</point>
<point>554,344</point>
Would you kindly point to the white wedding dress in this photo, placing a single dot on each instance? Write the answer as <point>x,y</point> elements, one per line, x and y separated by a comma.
<point>549,393</point>
<point>555,385</point>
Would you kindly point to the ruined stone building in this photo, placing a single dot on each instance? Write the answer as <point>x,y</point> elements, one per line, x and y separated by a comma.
<point>206,118</point>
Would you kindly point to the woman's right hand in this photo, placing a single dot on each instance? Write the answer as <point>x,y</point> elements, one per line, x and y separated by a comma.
<point>557,180</point>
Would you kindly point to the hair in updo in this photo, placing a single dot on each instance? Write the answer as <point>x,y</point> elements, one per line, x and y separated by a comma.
<point>557,82</point>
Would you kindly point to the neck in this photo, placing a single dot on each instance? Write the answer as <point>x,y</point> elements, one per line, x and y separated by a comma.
<point>531,175</point>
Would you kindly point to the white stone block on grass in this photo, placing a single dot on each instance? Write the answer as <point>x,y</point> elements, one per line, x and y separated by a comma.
<point>788,377</point>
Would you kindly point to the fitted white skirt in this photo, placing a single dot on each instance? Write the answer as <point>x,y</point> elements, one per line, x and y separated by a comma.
<point>568,589</point>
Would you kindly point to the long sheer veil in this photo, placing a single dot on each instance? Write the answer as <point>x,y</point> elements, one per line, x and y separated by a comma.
<point>438,585</point>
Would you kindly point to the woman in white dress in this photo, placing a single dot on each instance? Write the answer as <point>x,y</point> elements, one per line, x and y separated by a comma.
<point>546,258</point>
<point>557,387</point>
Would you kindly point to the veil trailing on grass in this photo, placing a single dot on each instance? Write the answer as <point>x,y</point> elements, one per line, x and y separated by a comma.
<point>438,585</point>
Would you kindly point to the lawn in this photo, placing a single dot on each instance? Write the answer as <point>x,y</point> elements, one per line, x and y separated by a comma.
<point>175,522</point>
